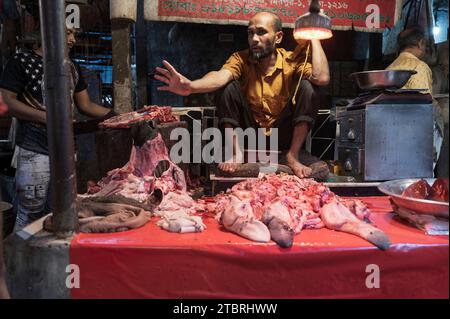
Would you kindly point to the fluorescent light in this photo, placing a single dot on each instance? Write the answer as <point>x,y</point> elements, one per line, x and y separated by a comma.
<point>436,31</point>
<point>312,33</point>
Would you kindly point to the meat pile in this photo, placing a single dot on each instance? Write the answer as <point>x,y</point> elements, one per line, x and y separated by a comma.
<point>151,181</point>
<point>278,207</point>
<point>163,114</point>
<point>422,190</point>
<point>136,181</point>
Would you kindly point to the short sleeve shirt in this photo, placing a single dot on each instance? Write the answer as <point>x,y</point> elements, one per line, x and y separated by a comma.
<point>423,79</point>
<point>268,94</point>
<point>23,74</point>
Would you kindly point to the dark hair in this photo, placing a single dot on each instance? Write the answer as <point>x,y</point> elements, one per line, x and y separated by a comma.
<point>410,38</point>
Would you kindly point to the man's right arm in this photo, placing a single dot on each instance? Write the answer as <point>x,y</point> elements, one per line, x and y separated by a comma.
<point>179,84</point>
<point>20,110</point>
<point>212,81</point>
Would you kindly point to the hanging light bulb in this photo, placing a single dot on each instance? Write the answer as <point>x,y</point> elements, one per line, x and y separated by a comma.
<point>313,25</point>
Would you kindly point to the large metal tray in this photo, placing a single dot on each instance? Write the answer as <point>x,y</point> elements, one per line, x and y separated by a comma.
<point>422,206</point>
<point>382,79</point>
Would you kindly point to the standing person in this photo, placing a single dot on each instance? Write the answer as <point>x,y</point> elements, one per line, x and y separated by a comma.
<point>412,48</point>
<point>21,87</point>
<point>256,90</point>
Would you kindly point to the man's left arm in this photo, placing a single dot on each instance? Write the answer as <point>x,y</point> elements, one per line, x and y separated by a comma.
<point>88,107</point>
<point>320,74</point>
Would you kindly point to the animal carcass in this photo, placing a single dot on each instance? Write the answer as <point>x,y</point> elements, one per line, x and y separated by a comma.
<point>278,207</point>
<point>136,183</point>
<point>150,180</point>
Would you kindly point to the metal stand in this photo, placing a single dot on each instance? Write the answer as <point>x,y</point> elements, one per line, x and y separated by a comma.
<point>58,100</point>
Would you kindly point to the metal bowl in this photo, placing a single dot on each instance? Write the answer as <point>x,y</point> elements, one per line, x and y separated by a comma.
<point>382,79</point>
<point>422,206</point>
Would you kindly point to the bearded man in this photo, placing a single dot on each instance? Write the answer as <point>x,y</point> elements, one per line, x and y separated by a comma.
<point>257,88</point>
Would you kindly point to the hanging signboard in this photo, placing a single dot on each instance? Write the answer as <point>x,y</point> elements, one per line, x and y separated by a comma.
<point>362,15</point>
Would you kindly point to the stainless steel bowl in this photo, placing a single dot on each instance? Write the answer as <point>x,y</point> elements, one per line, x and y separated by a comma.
<point>382,79</point>
<point>422,206</point>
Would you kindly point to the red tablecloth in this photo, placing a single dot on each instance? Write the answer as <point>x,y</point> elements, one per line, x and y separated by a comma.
<point>152,263</point>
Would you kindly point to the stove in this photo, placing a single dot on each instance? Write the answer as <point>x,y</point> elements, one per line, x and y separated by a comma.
<point>399,96</point>
<point>385,135</point>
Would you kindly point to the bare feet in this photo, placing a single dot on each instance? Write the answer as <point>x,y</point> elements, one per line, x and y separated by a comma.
<point>230,166</point>
<point>300,170</point>
<point>237,159</point>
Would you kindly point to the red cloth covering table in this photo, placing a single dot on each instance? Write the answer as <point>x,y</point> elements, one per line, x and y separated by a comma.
<point>152,263</point>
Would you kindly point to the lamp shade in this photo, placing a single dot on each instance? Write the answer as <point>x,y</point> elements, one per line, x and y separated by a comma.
<point>313,25</point>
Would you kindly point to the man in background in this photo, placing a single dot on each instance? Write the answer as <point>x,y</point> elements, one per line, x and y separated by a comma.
<point>412,48</point>
<point>21,86</point>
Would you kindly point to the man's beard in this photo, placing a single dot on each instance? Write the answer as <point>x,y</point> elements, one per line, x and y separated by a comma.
<point>264,53</point>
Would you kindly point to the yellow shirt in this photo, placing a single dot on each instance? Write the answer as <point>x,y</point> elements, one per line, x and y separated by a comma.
<point>423,79</point>
<point>268,94</point>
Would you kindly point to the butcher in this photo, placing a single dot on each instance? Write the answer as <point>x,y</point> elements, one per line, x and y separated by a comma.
<point>21,88</point>
<point>255,89</point>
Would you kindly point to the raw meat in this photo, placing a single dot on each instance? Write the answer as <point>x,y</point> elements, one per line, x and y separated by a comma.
<point>180,213</point>
<point>419,190</point>
<point>238,217</point>
<point>137,181</point>
<point>422,190</point>
<point>279,222</point>
<point>97,217</point>
<point>338,217</point>
<point>439,190</point>
<point>150,180</point>
<point>181,222</point>
<point>163,114</point>
<point>283,205</point>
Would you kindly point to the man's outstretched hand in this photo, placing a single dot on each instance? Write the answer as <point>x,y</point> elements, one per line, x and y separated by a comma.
<point>175,82</point>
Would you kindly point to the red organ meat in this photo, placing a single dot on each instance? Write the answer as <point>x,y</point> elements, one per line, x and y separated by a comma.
<point>153,112</point>
<point>422,190</point>
<point>440,190</point>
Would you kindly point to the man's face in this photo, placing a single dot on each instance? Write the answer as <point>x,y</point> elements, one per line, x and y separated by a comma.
<point>71,38</point>
<point>262,38</point>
